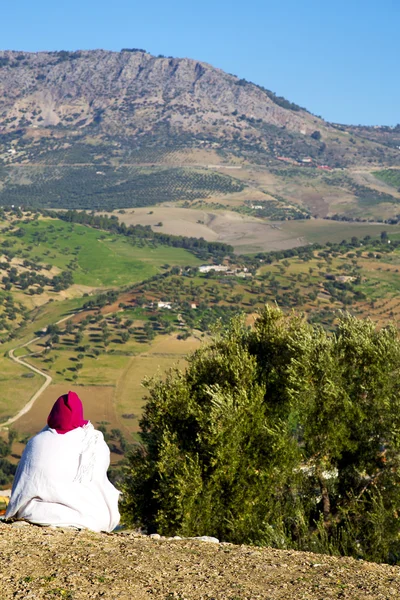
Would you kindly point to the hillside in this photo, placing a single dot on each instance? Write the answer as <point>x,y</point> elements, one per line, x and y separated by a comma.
<point>46,563</point>
<point>101,306</point>
<point>99,129</point>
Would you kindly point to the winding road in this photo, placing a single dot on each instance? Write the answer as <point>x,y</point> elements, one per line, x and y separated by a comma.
<point>31,402</point>
<point>47,382</point>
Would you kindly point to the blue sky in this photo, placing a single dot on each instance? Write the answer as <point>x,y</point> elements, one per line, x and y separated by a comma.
<point>339,59</point>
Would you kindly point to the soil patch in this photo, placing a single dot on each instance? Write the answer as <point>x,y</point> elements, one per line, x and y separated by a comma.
<point>316,203</point>
<point>44,563</point>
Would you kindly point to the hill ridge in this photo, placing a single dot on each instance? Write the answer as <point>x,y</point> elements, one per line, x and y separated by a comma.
<point>178,77</point>
<point>102,129</point>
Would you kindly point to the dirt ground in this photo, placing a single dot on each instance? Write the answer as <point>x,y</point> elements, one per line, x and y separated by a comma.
<point>43,563</point>
<point>243,232</point>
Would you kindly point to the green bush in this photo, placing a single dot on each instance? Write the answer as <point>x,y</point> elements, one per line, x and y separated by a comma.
<point>283,435</point>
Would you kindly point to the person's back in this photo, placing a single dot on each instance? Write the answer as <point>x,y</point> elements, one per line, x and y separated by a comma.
<point>62,476</point>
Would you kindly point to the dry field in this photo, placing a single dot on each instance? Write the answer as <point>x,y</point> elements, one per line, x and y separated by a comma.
<point>245,233</point>
<point>164,354</point>
<point>98,404</point>
<point>116,400</point>
<point>15,388</point>
<point>364,177</point>
<point>97,400</point>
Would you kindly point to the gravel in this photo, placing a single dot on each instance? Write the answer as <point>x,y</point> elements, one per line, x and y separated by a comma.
<point>41,562</point>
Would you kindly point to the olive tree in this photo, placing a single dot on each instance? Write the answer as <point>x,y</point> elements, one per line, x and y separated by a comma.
<point>283,434</point>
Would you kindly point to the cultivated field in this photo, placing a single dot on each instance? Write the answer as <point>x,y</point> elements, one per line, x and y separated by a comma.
<point>245,233</point>
<point>16,388</point>
<point>98,259</point>
<point>98,402</point>
<point>110,385</point>
<point>45,261</point>
<point>321,231</point>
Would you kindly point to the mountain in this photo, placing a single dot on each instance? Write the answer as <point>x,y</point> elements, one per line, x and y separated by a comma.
<point>136,90</point>
<point>125,111</point>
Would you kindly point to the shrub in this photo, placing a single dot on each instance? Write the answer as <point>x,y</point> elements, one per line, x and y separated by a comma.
<point>285,435</point>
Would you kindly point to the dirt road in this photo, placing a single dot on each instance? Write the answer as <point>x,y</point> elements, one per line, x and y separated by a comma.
<point>47,382</point>
<point>31,402</point>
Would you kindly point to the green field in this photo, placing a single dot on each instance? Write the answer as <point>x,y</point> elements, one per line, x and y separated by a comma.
<point>389,176</point>
<point>97,258</point>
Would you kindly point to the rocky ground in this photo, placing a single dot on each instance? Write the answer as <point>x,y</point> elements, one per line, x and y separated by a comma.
<point>47,563</point>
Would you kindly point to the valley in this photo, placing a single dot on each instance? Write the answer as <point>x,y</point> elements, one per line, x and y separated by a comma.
<point>131,308</point>
<point>201,196</point>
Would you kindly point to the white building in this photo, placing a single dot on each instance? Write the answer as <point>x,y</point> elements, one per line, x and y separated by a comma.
<point>164,305</point>
<point>208,268</point>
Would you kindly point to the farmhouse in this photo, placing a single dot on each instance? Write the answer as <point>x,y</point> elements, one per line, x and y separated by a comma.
<point>208,268</point>
<point>345,278</point>
<point>167,305</point>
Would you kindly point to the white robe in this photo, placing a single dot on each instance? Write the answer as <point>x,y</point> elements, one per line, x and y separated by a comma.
<point>62,480</point>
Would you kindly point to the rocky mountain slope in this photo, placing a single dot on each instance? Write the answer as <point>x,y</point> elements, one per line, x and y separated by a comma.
<point>132,89</point>
<point>47,563</point>
<point>88,111</point>
<point>132,93</point>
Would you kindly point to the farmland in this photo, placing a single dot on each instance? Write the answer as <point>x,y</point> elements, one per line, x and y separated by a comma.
<point>37,253</point>
<point>110,384</point>
<point>97,259</point>
<point>114,342</point>
<point>46,260</point>
<point>389,176</point>
<point>143,306</point>
<point>94,187</point>
<point>246,233</point>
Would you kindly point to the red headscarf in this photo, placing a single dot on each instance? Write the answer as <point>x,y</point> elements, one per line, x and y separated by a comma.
<point>66,414</point>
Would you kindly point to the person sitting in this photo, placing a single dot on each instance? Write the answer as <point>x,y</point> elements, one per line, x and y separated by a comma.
<point>61,479</point>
